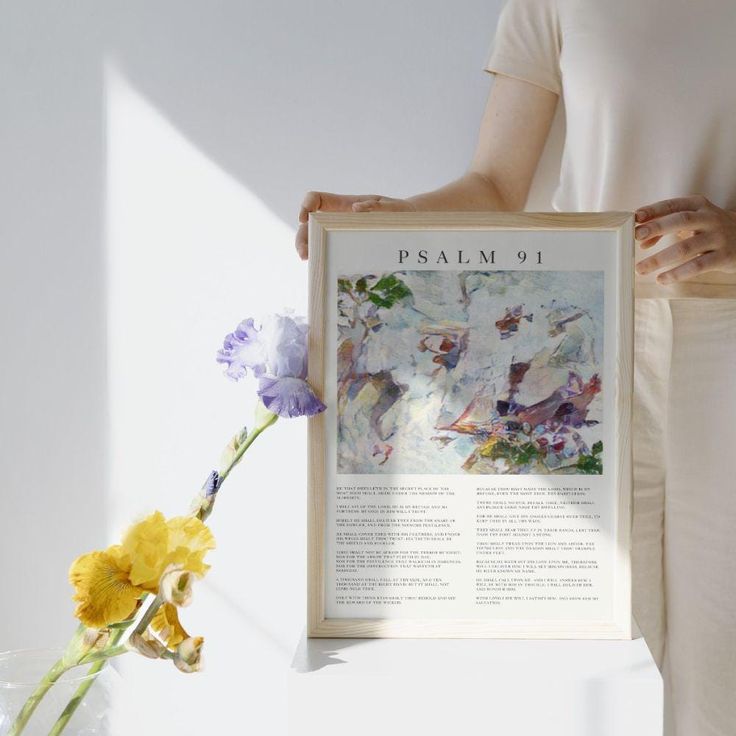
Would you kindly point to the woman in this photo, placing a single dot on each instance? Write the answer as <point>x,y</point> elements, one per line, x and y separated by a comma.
<point>651,118</point>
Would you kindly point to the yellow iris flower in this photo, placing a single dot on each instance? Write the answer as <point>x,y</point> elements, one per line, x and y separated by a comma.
<point>104,593</point>
<point>167,626</point>
<point>108,584</point>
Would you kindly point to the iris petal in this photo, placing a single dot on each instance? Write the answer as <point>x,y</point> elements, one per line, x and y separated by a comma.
<point>289,397</point>
<point>285,341</point>
<point>243,349</point>
<point>103,591</point>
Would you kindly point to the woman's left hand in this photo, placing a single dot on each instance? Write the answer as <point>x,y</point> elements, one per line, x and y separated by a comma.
<point>707,238</point>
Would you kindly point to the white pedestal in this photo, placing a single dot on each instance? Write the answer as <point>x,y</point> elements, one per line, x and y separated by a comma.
<point>464,687</point>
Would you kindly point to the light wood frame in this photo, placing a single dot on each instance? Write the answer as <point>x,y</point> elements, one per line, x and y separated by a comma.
<point>320,226</point>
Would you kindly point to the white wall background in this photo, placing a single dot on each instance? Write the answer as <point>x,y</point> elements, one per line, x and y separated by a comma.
<point>154,155</point>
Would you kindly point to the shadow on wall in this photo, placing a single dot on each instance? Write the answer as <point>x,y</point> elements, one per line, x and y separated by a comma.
<point>52,315</point>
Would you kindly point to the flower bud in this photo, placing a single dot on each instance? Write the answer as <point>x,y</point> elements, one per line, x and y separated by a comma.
<point>188,656</point>
<point>205,499</point>
<point>96,638</point>
<point>148,646</point>
<point>231,450</point>
<point>175,586</point>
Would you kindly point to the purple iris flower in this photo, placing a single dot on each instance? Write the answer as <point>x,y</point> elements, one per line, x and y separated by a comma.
<point>277,355</point>
<point>242,349</point>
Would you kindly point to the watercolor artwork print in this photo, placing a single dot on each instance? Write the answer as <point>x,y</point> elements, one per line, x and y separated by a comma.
<point>454,372</point>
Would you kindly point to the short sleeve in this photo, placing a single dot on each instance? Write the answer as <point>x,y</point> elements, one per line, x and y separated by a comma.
<point>527,43</point>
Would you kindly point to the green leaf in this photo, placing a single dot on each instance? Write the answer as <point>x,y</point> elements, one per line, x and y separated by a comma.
<point>597,447</point>
<point>401,290</point>
<point>590,465</point>
<point>388,290</point>
<point>379,301</point>
<point>361,285</point>
<point>344,285</point>
<point>386,283</point>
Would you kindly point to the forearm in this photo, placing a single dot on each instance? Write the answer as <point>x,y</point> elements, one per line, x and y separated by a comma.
<point>471,192</point>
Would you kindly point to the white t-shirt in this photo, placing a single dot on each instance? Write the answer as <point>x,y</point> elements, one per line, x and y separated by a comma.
<point>649,88</point>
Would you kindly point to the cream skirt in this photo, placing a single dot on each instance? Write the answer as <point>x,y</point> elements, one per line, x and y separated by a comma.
<point>684,533</point>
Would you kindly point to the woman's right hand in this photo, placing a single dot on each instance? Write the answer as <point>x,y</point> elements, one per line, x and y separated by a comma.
<point>327,202</point>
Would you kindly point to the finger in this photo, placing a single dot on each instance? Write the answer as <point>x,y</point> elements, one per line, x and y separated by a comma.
<point>310,203</point>
<point>676,253</point>
<point>652,241</point>
<point>666,224</point>
<point>327,201</point>
<point>383,204</point>
<point>706,262</point>
<point>301,241</point>
<point>367,205</point>
<point>670,206</point>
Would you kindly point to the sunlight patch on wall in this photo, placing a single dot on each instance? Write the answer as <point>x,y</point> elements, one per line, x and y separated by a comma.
<point>191,251</point>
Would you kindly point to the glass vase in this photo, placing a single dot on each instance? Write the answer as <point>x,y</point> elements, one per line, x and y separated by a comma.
<point>21,672</point>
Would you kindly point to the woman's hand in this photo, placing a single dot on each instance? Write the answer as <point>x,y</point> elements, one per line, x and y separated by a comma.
<point>326,202</point>
<point>707,238</point>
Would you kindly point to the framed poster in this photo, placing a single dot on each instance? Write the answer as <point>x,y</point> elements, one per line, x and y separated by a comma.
<point>471,476</point>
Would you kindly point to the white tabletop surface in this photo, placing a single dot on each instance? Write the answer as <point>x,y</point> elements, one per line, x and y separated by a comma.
<point>474,686</point>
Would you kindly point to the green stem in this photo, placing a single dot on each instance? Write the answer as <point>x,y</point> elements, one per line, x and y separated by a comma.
<point>76,700</point>
<point>147,617</point>
<point>29,707</point>
<point>64,663</point>
<point>103,655</point>
<point>248,442</point>
<point>100,660</point>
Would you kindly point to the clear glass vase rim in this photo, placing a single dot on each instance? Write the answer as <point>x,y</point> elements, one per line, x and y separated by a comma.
<point>52,656</point>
